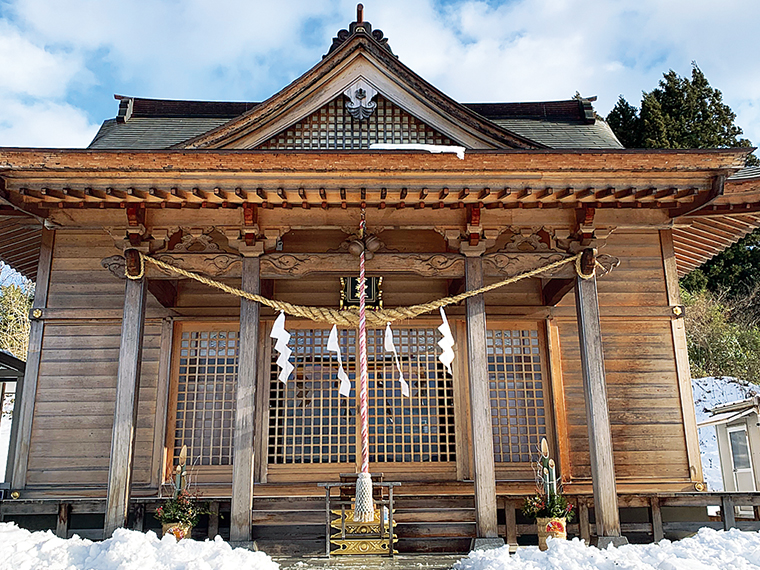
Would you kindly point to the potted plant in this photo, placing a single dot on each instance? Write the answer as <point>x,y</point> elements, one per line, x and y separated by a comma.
<point>549,507</point>
<point>179,514</point>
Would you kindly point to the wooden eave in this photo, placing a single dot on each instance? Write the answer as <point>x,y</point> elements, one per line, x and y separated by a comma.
<point>509,179</point>
<point>38,180</point>
<point>704,233</point>
<point>314,88</point>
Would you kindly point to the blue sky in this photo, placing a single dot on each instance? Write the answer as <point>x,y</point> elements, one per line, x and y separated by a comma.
<point>62,60</point>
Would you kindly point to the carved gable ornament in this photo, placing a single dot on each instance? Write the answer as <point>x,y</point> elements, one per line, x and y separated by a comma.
<point>360,104</point>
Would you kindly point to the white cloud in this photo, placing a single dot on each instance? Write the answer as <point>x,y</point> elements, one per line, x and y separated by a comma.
<point>472,50</point>
<point>30,70</point>
<point>44,124</point>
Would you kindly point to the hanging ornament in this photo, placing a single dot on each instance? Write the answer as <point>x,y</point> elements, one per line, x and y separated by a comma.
<point>446,343</point>
<point>390,347</point>
<point>334,346</point>
<point>282,337</point>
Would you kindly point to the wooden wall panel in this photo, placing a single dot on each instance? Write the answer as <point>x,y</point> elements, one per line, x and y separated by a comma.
<point>79,281</point>
<point>71,431</point>
<point>639,279</point>
<point>643,395</point>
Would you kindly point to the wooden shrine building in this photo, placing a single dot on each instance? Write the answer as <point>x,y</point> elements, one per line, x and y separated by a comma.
<point>267,197</point>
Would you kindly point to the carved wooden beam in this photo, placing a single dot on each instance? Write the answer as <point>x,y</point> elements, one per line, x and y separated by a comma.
<point>297,265</point>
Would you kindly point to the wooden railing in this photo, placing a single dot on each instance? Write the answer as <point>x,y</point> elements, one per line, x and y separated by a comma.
<point>59,512</point>
<point>656,526</point>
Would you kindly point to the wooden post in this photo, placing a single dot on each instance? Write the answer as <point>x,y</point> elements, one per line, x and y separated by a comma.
<point>242,462</point>
<point>139,517</point>
<point>727,512</point>
<point>62,523</point>
<point>162,402</point>
<point>657,532</point>
<point>510,520</point>
<point>583,523</point>
<point>482,440</point>
<point>595,389</point>
<point>26,391</point>
<point>678,331</point>
<point>213,520</point>
<point>127,390</point>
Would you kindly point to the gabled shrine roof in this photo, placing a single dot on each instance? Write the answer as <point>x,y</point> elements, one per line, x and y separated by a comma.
<point>162,123</point>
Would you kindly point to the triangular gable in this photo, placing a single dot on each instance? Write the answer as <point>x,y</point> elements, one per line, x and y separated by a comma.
<point>333,126</point>
<point>359,59</point>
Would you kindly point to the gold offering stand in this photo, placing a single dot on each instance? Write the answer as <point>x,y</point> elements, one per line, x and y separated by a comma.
<point>343,535</point>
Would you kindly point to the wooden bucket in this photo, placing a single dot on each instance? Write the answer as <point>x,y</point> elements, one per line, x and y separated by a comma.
<point>550,526</point>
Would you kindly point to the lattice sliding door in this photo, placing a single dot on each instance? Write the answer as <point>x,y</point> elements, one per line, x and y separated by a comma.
<point>415,429</point>
<point>518,384</point>
<point>309,422</point>
<point>205,382</point>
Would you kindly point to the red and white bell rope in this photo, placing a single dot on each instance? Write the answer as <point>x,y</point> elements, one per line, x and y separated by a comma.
<point>364,508</point>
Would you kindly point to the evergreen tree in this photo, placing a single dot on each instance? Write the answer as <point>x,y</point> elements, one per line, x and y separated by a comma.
<point>684,112</point>
<point>679,113</point>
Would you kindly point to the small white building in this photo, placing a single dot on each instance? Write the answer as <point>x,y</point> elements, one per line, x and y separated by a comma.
<point>737,427</point>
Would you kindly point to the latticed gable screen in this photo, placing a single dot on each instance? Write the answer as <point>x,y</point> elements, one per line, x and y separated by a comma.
<point>518,390</point>
<point>206,379</point>
<point>332,127</point>
<point>310,423</point>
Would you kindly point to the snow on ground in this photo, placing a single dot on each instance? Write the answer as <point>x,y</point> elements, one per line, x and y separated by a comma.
<point>126,550</point>
<point>708,393</point>
<point>732,550</point>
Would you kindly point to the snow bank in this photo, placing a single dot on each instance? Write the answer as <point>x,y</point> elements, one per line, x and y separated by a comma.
<point>708,393</point>
<point>126,550</point>
<point>734,549</point>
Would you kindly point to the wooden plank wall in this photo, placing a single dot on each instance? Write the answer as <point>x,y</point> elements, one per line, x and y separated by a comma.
<point>71,430</point>
<point>645,410</point>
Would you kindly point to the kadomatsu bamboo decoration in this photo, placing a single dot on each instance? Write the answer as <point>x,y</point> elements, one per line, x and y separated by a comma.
<point>549,507</point>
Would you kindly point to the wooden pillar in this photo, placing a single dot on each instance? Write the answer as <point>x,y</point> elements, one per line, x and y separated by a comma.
<point>242,462</point>
<point>657,532</point>
<point>678,331</point>
<point>482,440</point>
<point>127,390</point>
<point>595,390</point>
<point>162,402</point>
<point>26,391</point>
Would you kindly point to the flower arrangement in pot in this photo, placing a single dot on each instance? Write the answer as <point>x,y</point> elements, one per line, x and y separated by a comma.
<point>549,507</point>
<point>179,514</point>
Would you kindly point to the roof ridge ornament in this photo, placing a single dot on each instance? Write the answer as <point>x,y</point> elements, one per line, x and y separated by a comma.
<point>360,26</point>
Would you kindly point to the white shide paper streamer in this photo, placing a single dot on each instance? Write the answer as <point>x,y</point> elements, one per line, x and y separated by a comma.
<point>282,337</point>
<point>334,346</point>
<point>446,343</point>
<point>390,347</point>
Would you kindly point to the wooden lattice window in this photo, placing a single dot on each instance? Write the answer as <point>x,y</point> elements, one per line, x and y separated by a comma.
<point>309,422</point>
<point>332,127</point>
<point>518,388</point>
<point>418,428</point>
<point>206,379</point>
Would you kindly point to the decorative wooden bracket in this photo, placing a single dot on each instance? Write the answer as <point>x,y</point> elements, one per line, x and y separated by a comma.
<point>135,224</point>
